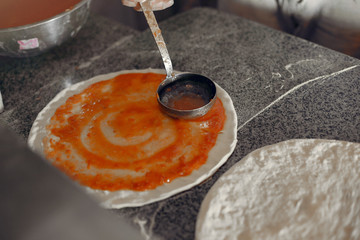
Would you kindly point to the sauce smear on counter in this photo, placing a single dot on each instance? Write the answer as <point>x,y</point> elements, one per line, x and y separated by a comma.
<point>14,13</point>
<point>113,136</point>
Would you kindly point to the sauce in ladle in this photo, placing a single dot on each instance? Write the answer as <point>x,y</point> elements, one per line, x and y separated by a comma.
<point>188,101</point>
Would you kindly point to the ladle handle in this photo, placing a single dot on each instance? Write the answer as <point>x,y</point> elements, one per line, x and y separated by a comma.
<point>154,27</point>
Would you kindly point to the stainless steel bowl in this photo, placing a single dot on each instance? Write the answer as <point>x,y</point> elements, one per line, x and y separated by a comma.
<point>34,39</point>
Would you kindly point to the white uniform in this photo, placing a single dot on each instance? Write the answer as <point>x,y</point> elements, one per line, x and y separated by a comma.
<point>332,23</point>
<point>1,104</point>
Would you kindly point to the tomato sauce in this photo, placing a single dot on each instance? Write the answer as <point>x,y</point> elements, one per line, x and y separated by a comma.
<point>14,13</point>
<point>187,102</point>
<point>113,136</point>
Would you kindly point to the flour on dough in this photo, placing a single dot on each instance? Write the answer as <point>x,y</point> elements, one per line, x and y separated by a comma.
<point>297,189</point>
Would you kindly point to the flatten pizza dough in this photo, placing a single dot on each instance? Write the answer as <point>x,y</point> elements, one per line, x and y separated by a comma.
<point>223,148</point>
<point>297,189</point>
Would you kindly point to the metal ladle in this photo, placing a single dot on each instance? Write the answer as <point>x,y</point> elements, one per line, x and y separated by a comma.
<point>186,95</point>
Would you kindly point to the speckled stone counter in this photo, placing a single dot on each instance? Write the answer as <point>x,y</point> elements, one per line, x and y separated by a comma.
<point>282,88</point>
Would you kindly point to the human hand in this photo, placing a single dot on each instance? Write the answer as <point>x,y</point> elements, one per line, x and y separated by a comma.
<point>155,4</point>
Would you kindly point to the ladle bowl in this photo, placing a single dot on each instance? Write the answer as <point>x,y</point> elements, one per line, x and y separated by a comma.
<point>186,95</point>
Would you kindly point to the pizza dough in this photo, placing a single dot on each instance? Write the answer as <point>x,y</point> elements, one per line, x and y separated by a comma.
<point>297,189</point>
<point>224,146</point>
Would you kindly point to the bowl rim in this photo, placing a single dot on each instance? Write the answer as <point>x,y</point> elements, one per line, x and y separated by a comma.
<point>53,18</point>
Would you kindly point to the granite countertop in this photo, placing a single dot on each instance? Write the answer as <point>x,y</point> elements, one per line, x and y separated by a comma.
<point>282,88</point>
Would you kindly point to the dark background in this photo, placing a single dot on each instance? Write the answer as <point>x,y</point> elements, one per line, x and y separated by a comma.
<point>114,10</point>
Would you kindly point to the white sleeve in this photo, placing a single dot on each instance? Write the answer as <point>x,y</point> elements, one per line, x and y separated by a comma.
<point>1,104</point>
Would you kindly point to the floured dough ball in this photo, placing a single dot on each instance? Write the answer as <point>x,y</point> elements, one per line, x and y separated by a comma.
<point>297,189</point>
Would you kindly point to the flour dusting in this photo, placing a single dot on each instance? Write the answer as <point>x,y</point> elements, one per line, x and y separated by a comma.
<point>297,189</point>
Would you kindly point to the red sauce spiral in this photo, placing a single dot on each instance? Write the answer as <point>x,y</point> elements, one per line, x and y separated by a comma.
<point>113,136</point>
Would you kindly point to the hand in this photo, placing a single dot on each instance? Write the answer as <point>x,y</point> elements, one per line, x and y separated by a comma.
<point>155,4</point>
